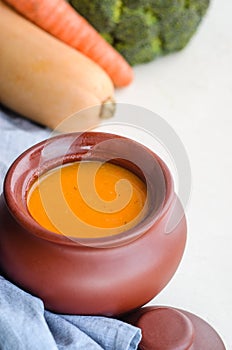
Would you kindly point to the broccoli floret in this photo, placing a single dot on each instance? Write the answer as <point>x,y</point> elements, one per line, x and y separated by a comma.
<point>165,9</point>
<point>102,14</point>
<point>140,20</point>
<point>144,29</point>
<point>136,4</point>
<point>199,6</point>
<point>177,30</point>
<point>140,53</point>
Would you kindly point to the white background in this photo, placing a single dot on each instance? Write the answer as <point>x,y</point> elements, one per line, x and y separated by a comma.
<point>192,91</point>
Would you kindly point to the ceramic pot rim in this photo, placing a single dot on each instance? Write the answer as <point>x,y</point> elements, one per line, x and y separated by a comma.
<point>25,168</point>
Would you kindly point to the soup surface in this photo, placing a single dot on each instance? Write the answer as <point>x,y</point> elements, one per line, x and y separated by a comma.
<point>88,199</point>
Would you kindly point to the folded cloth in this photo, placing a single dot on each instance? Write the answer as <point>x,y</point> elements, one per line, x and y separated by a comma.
<point>24,324</point>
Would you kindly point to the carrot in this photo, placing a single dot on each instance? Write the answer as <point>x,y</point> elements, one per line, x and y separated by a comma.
<point>59,19</point>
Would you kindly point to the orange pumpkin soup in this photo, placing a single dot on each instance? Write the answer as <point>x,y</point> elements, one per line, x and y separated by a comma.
<point>88,199</point>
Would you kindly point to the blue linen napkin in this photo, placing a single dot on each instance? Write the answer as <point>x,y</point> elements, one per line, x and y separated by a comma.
<point>24,323</point>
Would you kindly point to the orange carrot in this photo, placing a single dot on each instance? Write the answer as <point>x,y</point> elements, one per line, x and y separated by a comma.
<point>59,19</point>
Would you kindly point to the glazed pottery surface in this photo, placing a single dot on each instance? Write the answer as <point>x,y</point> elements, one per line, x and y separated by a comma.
<point>104,276</point>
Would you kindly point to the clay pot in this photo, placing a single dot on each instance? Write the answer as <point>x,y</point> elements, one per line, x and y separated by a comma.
<point>104,276</point>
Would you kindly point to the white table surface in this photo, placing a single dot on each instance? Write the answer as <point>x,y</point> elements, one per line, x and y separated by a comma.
<point>192,91</point>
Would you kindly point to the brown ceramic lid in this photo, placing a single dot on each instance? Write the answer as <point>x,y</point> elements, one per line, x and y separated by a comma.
<point>206,338</point>
<point>166,328</point>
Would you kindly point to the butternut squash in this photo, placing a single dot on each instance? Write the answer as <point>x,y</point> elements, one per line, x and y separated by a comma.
<point>47,81</point>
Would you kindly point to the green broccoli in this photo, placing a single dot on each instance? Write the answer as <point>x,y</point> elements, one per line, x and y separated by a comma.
<point>102,14</point>
<point>144,29</point>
